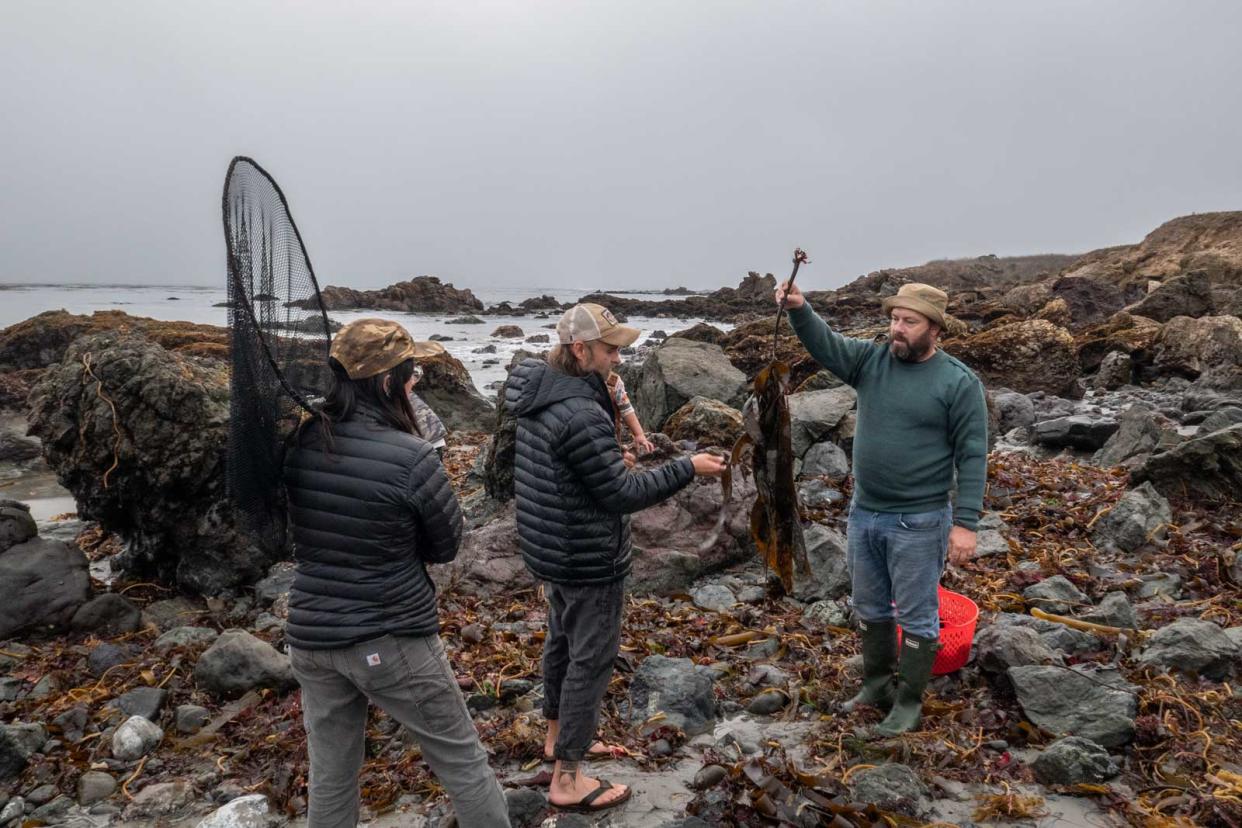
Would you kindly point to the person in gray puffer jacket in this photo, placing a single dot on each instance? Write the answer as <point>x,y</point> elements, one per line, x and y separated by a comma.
<point>370,506</point>
<point>574,494</point>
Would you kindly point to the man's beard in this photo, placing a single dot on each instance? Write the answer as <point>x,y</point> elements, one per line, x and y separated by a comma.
<point>911,351</point>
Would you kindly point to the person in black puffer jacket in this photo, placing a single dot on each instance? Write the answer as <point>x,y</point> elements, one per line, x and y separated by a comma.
<point>574,495</point>
<point>370,506</point>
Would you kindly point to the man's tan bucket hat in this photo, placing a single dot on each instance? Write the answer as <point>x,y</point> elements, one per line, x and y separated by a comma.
<point>366,347</point>
<point>920,298</point>
<point>588,322</point>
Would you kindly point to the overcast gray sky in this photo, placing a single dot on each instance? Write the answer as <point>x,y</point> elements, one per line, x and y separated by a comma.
<point>618,144</point>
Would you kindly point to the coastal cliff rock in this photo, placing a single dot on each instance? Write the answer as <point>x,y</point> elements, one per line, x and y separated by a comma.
<point>137,433</point>
<point>1123,332</point>
<point>422,294</point>
<point>1207,242</point>
<point>1207,350</point>
<point>1025,356</point>
<point>446,386</point>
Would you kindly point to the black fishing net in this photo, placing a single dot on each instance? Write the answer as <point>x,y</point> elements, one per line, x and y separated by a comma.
<point>279,337</point>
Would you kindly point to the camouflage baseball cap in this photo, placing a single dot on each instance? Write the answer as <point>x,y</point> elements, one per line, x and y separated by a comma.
<point>366,347</point>
<point>588,322</point>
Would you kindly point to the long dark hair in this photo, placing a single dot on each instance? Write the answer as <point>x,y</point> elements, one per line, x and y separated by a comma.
<point>563,359</point>
<point>345,394</point>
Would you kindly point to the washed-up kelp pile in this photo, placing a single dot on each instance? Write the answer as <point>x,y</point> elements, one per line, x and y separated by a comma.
<point>1182,767</point>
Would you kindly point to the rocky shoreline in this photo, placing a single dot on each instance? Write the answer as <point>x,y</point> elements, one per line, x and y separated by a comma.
<point>162,692</point>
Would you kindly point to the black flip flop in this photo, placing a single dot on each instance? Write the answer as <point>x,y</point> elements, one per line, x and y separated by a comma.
<point>587,805</point>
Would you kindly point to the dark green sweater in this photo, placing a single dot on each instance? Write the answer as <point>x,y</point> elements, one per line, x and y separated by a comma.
<point>916,423</point>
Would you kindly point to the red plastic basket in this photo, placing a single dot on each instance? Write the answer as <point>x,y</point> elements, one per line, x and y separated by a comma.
<point>958,616</point>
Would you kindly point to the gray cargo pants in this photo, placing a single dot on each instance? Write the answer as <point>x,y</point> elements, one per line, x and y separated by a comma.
<point>584,637</point>
<point>411,679</point>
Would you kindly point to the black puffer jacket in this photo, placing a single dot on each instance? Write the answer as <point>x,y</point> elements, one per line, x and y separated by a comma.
<point>574,493</point>
<point>367,515</point>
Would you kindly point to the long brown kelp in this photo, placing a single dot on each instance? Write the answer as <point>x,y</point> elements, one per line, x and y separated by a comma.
<point>775,520</point>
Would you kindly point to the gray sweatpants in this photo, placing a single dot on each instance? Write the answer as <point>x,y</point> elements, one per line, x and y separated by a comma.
<point>584,637</point>
<point>411,679</point>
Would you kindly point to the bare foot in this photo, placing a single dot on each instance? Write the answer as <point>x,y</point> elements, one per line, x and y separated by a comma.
<point>597,748</point>
<point>569,789</point>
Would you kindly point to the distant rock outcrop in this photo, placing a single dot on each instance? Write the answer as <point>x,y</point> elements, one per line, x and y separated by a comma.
<point>422,294</point>
<point>753,295</point>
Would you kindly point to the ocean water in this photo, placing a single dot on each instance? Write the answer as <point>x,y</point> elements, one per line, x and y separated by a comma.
<point>197,304</point>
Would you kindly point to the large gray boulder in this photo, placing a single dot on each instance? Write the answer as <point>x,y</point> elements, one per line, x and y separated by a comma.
<point>826,459</point>
<point>16,524</point>
<point>669,537</point>
<point>1141,431</point>
<point>1056,594</point>
<point>1074,760</point>
<point>1133,520</point>
<point>1116,370</point>
<point>892,787</point>
<point>1207,350</point>
<point>676,690</point>
<point>705,422</point>
<point>1223,417</point>
<point>1097,704</point>
<point>680,370</point>
<point>1114,610</point>
<point>1193,645</point>
<point>1207,465</point>
<point>1187,295</point>
<point>18,742</point>
<point>43,583</point>
<point>1057,636</point>
<point>139,440</point>
<point>1015,410</point>
<point>813,415</point>
<point>107,614</point>
<point>1084,432</point>
<point>998,647</point>
<point>829,576</point>
<point>238,662</point>
<point>488,561</point>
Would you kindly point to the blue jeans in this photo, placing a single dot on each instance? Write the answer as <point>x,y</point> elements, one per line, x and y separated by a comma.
<point>897,559</point>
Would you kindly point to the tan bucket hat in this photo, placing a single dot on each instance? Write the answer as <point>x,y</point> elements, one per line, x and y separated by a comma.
<point>920,298</point>
<point>367,347</point>
<point>588,322</point>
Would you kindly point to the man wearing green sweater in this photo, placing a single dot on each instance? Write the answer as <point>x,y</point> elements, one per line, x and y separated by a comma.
<point>921,418</point>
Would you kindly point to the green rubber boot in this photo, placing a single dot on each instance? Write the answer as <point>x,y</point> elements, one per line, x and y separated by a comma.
<point>879,652</point>
<point>913,673</point>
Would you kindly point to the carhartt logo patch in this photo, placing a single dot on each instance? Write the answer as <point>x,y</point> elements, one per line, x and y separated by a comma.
<point>373,660</point>
<point>609,318</point>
